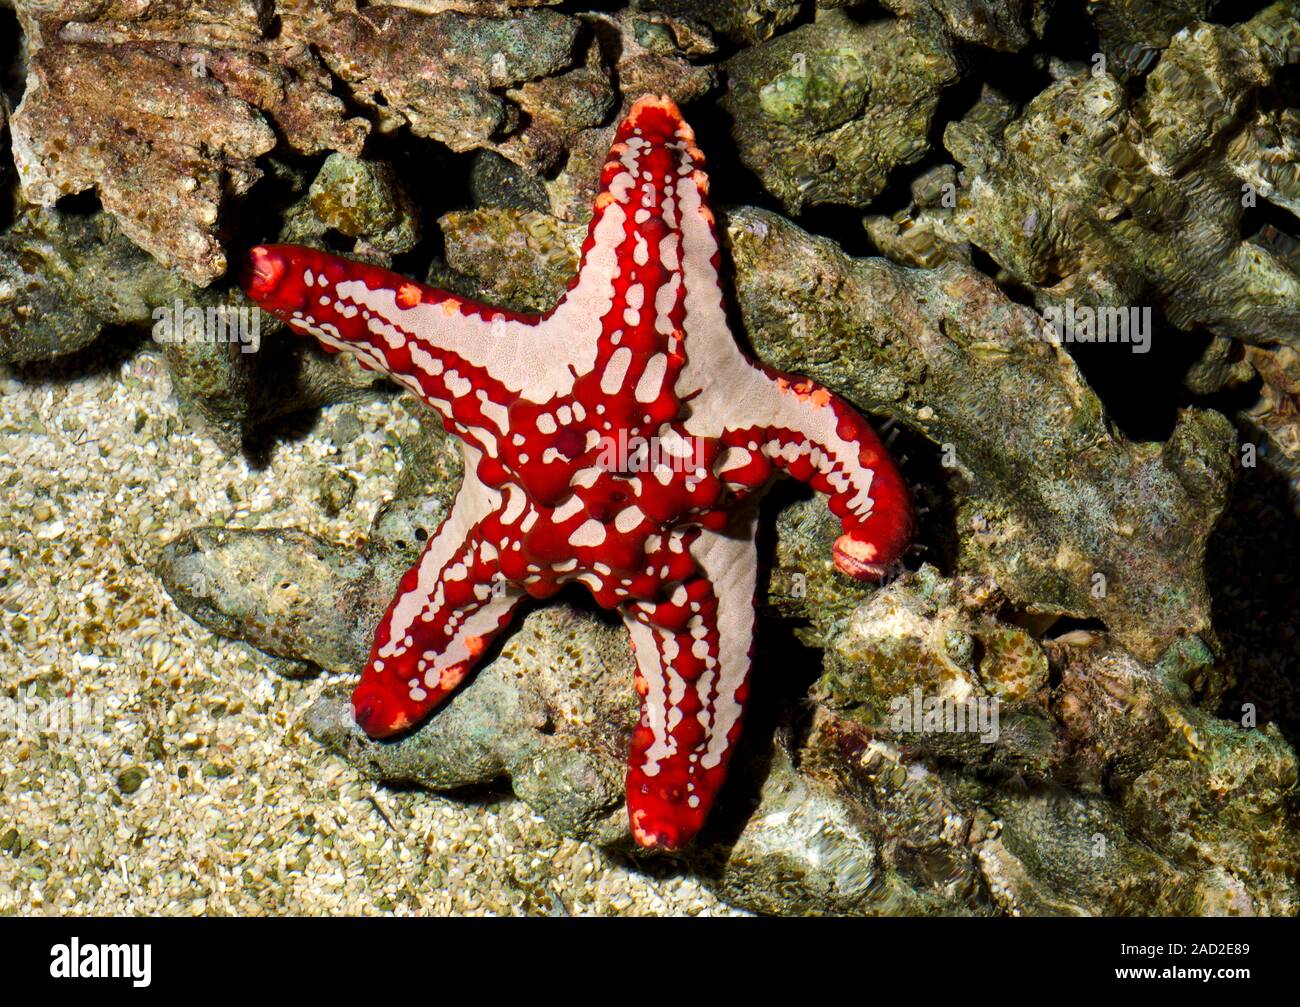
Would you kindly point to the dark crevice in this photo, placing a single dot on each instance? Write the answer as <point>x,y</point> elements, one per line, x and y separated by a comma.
<point>1142,392</point>
<point>112,348</point>
<point>1257,220</point>
<point>1236,11</point>
<point>12,81</point>
<point>1069,624</point>
<point>1255,595</point>
<point>1071,34</point>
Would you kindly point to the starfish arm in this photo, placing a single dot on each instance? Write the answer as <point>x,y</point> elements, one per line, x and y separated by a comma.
<point>466,360</point>
<point>447,608</point>
<point>771,420</point>
<point>810,433</point>
<point>693,660</point>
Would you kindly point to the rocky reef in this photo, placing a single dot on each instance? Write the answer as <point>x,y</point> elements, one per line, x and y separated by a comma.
<point>1051,248</point>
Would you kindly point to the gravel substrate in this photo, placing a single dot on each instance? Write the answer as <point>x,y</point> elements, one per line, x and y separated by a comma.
<point>149,767</point>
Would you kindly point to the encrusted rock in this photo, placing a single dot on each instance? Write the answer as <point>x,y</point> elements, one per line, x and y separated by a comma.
<point>823,113</point>
<point>65,276</point>
<point>1132,32</point>
<point>925,636</point>
<point>163,112</point>
<point>523,259</point>
<point>1091,196</point>
<point>523,719</point>
<point>441,75</point>
<point>743,21</point>
<point>998,24</point>
<point>650,52</point>
<point>362,200</point>
<point>1046,503</point>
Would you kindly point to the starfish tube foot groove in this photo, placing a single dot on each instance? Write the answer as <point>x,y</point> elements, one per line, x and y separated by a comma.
<point>620,440</point>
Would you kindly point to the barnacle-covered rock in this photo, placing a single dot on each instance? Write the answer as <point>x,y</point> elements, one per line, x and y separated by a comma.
<point>823,113</point>
<point>1047,505</point>
<point>812,847</point>
<point>65,276</point>
<point>1207,794</point>
<point>1276,414</point>
<point>163,111</point>
<point>743,21</point>
<point>75,132</point>
<point>441,75</point>
<point>112,21</point>
<point>1120,815</point>
<point>1092,197</point>
<point>280,591</point>
<point>496,182</point>
<point>558,108</point>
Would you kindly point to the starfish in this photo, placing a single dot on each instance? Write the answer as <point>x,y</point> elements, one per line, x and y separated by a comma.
<point>620,440</point>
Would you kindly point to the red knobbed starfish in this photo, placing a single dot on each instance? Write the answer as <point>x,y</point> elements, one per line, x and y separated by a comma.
<point>618,440</point>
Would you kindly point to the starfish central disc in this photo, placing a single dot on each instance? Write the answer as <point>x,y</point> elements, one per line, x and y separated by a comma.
<point>620,441</point>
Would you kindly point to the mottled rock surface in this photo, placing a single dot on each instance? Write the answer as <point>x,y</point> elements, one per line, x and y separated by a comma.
<point>824,113</point>
<point>163,113</point>
<point>65,276</point>
<point>1094,196</point>
<point>1047,505</point>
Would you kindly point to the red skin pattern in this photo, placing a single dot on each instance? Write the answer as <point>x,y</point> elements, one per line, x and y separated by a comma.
<point>620,440</point>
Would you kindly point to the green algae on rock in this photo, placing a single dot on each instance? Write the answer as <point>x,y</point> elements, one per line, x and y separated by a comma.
<point>823,113</point>
<point>1046,503</point>
<point>64,277</point>
<point>1093,196</point>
